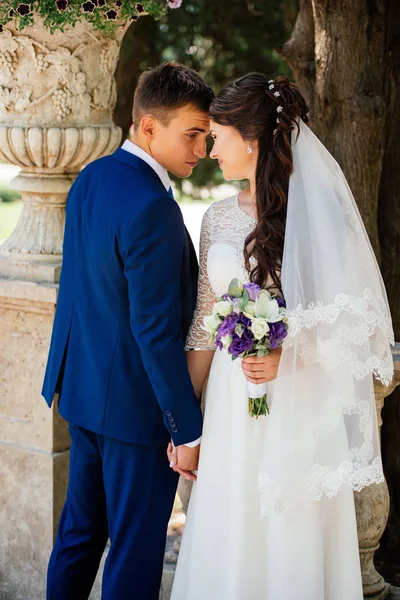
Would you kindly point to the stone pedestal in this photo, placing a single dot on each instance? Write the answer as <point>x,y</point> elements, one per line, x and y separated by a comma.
<point>34,442</point>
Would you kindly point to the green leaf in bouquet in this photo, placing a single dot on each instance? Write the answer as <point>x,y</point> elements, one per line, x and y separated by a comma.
<point>245,300</point>
<point>235,288</point>
<point>239,329</point>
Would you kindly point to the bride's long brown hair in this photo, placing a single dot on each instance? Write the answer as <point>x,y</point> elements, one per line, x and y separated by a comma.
<point>250,104</point>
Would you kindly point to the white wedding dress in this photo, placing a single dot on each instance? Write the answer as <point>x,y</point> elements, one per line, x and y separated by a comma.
<point>228,551</point>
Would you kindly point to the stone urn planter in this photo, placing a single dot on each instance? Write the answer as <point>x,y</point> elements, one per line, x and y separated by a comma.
<point>57,96</point>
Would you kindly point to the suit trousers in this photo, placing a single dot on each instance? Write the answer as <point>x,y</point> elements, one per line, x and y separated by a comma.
<point>120,491</point>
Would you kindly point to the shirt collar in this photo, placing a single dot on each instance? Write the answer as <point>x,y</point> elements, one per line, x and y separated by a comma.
<point>161,171</point>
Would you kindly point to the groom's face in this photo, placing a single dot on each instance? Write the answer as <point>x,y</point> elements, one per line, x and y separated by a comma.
<point>179,144</point>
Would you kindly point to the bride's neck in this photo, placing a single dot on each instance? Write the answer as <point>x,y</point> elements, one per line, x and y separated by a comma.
<point>247,200</point>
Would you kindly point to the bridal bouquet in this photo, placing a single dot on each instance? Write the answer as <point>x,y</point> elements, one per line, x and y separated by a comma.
<point>248,321</point>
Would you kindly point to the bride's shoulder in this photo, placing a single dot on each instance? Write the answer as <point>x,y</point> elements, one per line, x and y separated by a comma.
<point>220,208</point>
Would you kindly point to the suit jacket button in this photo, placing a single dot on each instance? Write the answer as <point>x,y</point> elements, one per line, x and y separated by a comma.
<point>168,413</point>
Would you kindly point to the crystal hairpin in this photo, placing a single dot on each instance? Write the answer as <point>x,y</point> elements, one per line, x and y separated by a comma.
<point>271,87</point>
<point>279,109</point>
<point>275,131</point>
<point>276,94</point>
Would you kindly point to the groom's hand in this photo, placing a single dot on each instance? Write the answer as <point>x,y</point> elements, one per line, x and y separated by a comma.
<point>183,460</point>
<point>262,370</point>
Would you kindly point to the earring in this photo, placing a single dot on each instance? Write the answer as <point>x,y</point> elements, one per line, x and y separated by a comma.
<point>249,148</point>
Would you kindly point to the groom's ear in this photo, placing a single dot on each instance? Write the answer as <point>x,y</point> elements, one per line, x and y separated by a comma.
<point>148,126</point>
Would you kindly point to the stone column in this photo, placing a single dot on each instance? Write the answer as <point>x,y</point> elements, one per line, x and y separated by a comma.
<point>372,507</point>
<point>57,95</point>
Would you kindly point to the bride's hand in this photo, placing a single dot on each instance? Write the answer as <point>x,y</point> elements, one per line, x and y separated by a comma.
<point>261,370</point>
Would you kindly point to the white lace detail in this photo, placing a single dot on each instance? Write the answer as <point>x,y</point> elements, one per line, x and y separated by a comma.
<point>318,483</point>
<point>360,322</point>
<point>223,222</point>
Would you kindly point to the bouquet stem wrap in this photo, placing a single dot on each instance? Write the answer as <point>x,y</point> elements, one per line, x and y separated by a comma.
<point>258,404</point>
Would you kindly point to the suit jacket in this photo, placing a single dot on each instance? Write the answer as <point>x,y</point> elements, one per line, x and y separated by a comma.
<point>126,299</point>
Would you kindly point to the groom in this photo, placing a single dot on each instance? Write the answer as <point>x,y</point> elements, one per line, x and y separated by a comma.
<point>126,299</point>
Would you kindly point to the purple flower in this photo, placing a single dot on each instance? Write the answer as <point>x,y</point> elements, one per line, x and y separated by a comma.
<point>134,17</point>
<point>253,290</point>
<point>245,321</point>
<point>140,8</point>
<point>241,344</point>
<point>118,3</point>
<point>244,342</point>
<point>62,4</point>
<point>111,15</point>
<point>277,333</point>
<point>11,13</point>
<point>88,6</point>
<point>280,302</point>
<point>101,2</point>
<point>23,9</point>
<point>174,3</point>
<point>228,325</point>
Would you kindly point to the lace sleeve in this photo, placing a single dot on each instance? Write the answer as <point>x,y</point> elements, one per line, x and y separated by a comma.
<point>197,338</point>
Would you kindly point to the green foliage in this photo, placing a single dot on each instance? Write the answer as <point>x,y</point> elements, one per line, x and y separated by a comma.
<point>57,14</point>
<point>8,195</point>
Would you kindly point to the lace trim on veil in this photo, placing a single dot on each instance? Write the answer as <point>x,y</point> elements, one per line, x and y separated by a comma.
<point>362,327</point>
<point>370,318</point>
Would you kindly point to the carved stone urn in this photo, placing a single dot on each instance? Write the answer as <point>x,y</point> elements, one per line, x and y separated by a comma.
<point>57,95</point>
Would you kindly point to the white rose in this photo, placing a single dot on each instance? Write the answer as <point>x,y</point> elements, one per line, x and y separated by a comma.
<point>250,310</point>
<point>211,324</point>
<point>222,308</point>
<point>259,328</point>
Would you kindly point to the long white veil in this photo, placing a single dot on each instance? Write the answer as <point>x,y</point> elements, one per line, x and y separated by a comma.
<point>322,430</point>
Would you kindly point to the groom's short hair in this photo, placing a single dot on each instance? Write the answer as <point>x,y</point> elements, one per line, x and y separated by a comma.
<point>168,87</point>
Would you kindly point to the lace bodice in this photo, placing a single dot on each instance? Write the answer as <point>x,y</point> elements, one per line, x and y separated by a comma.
<point>224,230</point>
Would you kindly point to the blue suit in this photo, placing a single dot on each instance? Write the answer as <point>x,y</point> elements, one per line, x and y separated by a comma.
<point>126,299</point>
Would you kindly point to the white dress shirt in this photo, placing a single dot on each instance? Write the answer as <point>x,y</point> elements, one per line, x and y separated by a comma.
<point>163,175</point>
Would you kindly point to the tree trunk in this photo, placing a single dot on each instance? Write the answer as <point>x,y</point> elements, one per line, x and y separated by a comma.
<point>389,234</point>
<point>138,53</point>
<point>345,89</point>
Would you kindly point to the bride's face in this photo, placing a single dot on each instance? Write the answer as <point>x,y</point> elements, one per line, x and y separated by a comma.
<point>231,151</point>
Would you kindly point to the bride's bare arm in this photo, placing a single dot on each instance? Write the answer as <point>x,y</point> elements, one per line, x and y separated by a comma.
<point>199,362</point>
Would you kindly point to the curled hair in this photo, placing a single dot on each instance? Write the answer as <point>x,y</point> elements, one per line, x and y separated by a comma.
<point>250,105</point>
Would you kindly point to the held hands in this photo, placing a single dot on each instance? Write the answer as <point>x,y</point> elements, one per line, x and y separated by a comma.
<point>183,460</point>
<point>261,370</point>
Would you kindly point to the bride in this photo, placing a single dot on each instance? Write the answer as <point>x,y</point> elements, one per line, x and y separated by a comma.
<point>271,515</point>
